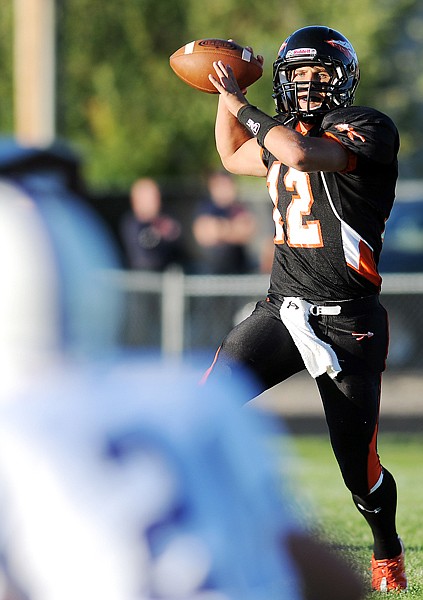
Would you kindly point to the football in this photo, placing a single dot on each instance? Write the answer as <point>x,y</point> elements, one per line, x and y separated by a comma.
<point>194,61</point>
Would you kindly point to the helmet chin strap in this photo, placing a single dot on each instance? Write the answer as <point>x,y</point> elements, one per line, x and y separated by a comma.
<point>310,118</point>
<point>311,114</point>
<point>289,95</point>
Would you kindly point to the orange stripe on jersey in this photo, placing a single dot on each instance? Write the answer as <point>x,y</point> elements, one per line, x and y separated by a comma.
<point>206,375</point>
<point>367,266</point>
<point>359,255</point>
<point>352,158</point>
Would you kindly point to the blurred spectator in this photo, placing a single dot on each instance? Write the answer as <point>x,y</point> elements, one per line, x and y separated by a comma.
<point>151,239</point>
<point>223,228</point>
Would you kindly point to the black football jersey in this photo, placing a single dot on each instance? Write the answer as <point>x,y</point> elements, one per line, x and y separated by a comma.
<point>329,226</point>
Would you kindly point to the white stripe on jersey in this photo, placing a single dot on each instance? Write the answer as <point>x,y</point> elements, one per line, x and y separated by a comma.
<point>350,238</point>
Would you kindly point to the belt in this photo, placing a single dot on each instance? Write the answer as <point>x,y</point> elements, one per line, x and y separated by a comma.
<point>344,307</point>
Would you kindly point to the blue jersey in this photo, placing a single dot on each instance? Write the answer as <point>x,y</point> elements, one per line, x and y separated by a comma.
<point>131,482</point>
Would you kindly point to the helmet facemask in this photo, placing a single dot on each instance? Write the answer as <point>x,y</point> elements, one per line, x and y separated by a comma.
<point>287,93</point>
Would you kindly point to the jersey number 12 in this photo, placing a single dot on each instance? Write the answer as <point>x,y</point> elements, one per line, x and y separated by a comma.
<point>300,233</point>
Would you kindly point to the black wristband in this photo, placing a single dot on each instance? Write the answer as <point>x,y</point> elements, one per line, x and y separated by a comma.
<point>256,121</point>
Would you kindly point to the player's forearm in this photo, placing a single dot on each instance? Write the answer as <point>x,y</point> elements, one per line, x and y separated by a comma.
<point>229,133</point>
<point>305,153</point>
<point>238,150</point>
<point>289,146</point>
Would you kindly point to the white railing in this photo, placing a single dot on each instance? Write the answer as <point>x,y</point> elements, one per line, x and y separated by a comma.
<point>174,289</point>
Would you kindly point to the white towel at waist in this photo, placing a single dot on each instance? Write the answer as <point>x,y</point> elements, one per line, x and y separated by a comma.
<point>318,356</point>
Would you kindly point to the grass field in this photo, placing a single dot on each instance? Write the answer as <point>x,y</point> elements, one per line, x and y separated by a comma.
<point>324,496</point>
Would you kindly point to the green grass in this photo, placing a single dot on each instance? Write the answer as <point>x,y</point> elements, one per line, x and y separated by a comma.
<point>323,495</point>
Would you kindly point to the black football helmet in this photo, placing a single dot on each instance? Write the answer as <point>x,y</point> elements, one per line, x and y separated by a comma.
<point>311,46</point>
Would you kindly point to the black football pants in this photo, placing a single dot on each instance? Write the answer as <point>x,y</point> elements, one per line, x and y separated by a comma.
<point>359,336</point>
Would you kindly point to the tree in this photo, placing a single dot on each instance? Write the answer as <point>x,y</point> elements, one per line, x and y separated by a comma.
<point>127,113</point>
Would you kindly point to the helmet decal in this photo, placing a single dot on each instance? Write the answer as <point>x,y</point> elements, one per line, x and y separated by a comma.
<point>283,45</point>
<point>308,53</point>
<point>350,131</point>
<point>344,47</point>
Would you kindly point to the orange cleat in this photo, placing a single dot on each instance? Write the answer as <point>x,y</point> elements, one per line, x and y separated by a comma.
<point>388,574</point>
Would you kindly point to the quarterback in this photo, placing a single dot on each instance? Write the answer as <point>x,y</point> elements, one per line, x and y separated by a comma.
<point>331,171</point>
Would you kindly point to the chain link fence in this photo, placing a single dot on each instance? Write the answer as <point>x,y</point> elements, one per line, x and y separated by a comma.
<point>179,314</point>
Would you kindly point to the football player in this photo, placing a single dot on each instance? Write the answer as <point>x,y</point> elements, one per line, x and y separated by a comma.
<point>114,484</point>
<point>331,170</point>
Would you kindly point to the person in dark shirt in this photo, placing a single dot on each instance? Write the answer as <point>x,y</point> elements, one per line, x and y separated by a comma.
<point>152,242</point>
<point>223,228</point>
<point>331,171</point>
<point>151,239</point>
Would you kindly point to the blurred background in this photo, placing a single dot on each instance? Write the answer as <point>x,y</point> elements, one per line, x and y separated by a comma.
<point>89,104</point>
